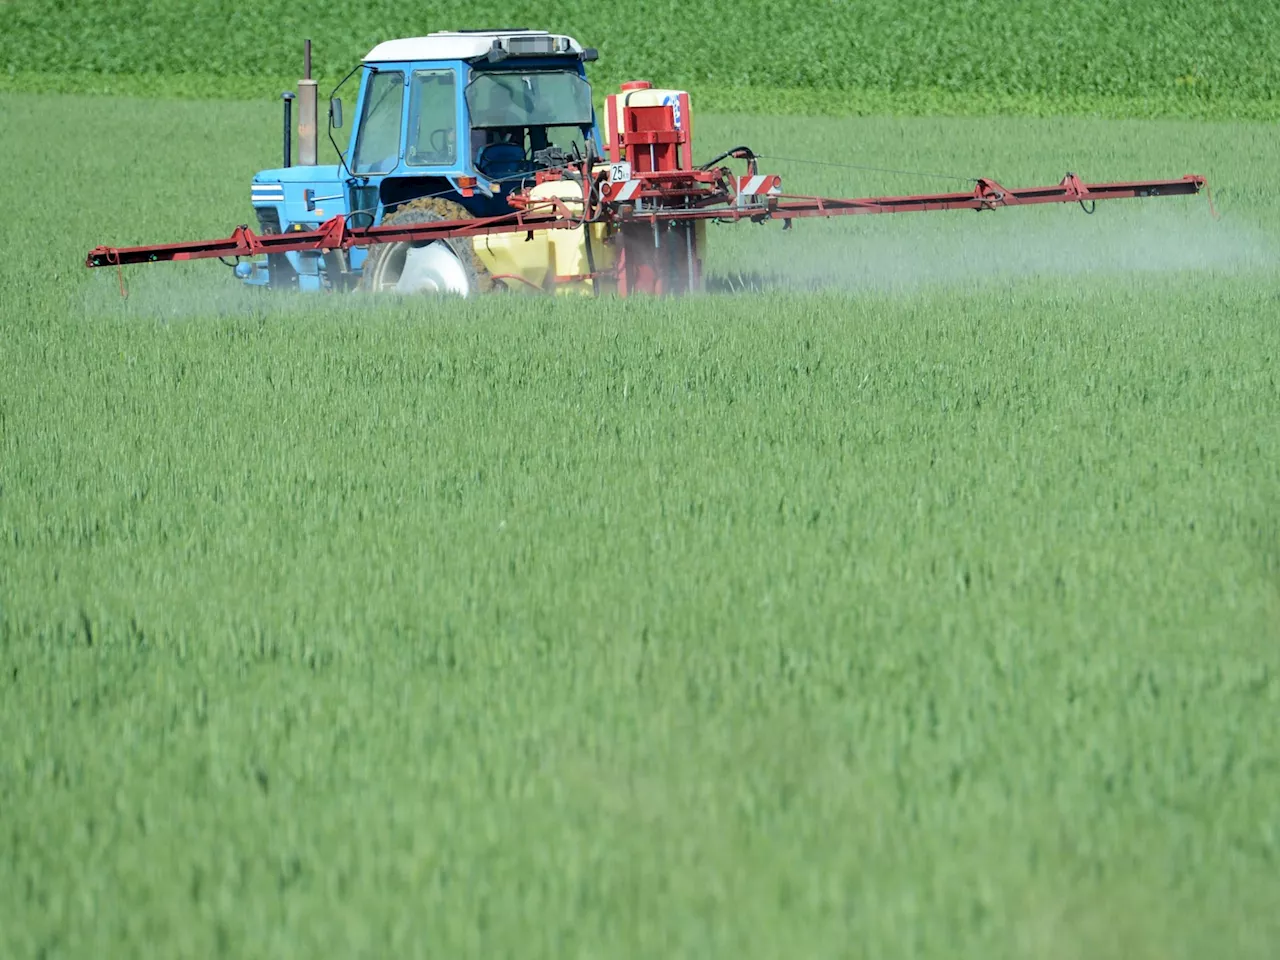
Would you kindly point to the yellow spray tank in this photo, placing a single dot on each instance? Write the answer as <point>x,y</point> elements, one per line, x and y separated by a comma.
<point>552,261</point>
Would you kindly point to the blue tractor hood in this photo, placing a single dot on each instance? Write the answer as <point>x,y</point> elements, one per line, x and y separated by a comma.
<point>329,173</point>
<point>300,195</point>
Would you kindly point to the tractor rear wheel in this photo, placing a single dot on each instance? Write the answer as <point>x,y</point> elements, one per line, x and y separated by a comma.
<point>436,266</point>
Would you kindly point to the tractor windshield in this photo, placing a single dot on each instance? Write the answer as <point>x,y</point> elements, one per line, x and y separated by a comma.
<point>536,98</point>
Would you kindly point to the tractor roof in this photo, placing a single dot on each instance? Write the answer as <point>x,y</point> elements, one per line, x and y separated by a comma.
<point>465,45</point>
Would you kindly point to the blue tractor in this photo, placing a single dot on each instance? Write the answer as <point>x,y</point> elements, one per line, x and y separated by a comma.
<point>446,127</point>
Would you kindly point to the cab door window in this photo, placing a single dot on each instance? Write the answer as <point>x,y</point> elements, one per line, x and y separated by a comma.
<point>378,146</point>
<point>433,119</point>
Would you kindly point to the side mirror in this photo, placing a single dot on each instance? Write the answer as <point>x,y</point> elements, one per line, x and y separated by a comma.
<point>589,55</point>
<point>335,113</point>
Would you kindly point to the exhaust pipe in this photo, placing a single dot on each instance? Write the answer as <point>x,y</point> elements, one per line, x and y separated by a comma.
<point>287,97</point>
<point>308,118</point>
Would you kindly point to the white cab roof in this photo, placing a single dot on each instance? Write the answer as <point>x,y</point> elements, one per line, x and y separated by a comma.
<point>453,46</point>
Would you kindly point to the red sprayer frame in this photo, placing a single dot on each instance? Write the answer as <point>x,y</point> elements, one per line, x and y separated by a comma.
<point>653,210</point>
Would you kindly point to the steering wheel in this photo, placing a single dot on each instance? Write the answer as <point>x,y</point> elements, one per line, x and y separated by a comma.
<point>439,141</point>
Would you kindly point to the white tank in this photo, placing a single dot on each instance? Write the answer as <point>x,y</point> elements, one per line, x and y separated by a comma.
<point>641,93</point>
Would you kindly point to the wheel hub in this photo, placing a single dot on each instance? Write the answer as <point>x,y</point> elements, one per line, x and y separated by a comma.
<point>433,268</point>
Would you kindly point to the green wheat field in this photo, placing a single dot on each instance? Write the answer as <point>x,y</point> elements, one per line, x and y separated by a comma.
<point>914,593</point>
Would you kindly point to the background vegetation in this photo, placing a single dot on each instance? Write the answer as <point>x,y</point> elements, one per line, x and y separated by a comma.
<point>1139,58</point>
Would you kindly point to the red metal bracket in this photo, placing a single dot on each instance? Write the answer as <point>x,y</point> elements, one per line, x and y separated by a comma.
<point>243,237</point>
<point>333,234</point>
<point>989,194</point>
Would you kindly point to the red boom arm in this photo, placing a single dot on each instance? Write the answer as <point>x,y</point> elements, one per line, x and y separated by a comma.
<point>334,234</point>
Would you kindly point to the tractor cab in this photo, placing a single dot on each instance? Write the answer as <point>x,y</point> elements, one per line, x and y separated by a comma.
<point>492,108</point>
<point>466,117</point>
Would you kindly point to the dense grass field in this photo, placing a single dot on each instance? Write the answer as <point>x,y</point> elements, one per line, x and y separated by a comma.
<point>914,594</point>
<point>1138,57</point>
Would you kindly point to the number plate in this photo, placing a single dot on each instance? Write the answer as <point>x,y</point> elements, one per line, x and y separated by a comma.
<point>619,172</point>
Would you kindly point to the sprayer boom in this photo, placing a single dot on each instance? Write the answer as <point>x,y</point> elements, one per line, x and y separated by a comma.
<point>720,197</point>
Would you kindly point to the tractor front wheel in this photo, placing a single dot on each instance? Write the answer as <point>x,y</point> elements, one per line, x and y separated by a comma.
<point>437,266</point>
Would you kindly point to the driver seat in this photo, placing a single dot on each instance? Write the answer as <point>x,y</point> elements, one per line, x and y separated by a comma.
<point>501,160</point>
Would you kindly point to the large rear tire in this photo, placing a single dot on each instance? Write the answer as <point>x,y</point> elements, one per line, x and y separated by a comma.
<point>438,266</point>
